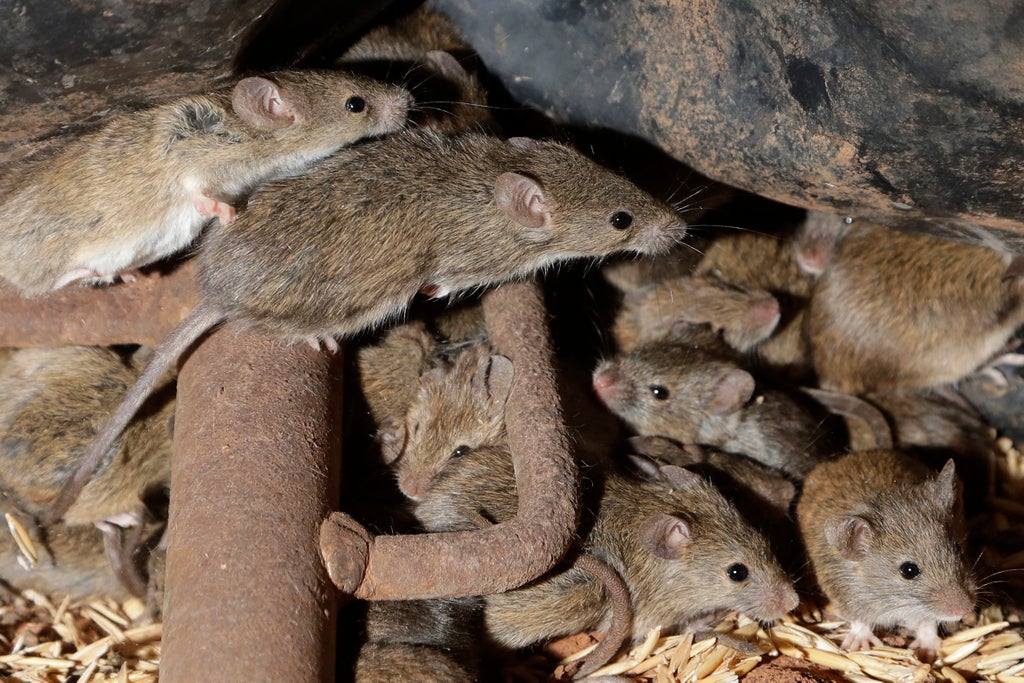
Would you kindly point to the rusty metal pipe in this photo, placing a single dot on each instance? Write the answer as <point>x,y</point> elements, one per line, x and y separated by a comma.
<point>255,470</point>
<point>506,555</point>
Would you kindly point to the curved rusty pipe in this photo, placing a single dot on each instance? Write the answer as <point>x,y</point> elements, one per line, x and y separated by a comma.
<point>503,556</point>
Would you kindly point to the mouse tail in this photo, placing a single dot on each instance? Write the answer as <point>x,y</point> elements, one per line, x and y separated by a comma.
<point>195,324</point>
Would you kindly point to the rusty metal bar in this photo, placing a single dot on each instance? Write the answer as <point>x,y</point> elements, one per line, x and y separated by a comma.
<point>506,555</point>
<point>255,470</point>
<point>139,312</point>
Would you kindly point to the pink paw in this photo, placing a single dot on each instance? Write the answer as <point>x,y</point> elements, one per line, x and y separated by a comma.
<point>208,206</point>
<point>329,344</point>
<point>860,637</point>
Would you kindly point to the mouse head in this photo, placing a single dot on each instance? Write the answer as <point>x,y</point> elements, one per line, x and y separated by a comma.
<point>320,111</point>
<point>902,558</point>
<point>817,240</point>
<point>457,409</point>
<point>561,199</point>
<point>670,387</point>
<point>693,555</point>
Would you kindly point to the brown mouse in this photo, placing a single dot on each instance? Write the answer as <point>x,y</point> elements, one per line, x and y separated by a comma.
<point>413,641</point>
<point>692,392</point>
<point>816,240</point>
<point>885,538</point>
<point>73,562</point>
<point>390,370</point>
<point>743,317</point>
<point>920,312</point>
<point>757,261</point>
<point>458,408</point>
<point>379,222</point>
<point>682,549</point>
<point>143,186</point>
<point>52,402</point>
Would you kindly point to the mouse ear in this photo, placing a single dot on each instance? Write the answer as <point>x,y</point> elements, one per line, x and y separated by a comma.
<point>522,199</point>
<point>391,437</point>
<point>259,102</point>
<point>446,65</point>
<point>493,382</point>
<point>665,536</point>
<point>679,478</point>
<point>946,486</point>
<point>730,392</point>
<point>851,535</point>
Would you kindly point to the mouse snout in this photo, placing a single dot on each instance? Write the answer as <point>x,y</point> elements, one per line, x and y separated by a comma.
<point>393,111</point>
<point>414,487</point>
<point>778,598</point>
<point>763,315</point>
<point>607,384</point>
<point>952,603</point>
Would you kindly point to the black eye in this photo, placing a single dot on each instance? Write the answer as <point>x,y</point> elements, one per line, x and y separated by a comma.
<point>355,104</point>
<point>659,392</point>
<point>621,220</point>
<point>909,571</point>
<point>737,572</point>
<point>460,451</point>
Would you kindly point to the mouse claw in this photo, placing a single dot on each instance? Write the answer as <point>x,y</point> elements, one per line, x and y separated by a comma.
<point>345,549</point>
<point>328,344</point>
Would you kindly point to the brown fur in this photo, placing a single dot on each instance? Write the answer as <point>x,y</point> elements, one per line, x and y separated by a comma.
<point>663,591</point>
<point>911,515</point>
<point>110,196</point>
<point>897,310</point>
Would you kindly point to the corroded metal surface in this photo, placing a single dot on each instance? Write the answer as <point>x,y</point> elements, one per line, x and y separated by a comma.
<point>255,470</point>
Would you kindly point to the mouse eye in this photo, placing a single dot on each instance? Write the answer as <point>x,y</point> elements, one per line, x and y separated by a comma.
<point>460,451</point>
<point>355,104</point>
<point>621,220</point>
<point>659,392</point>
<point>909,571</point>
<point>737,572</point>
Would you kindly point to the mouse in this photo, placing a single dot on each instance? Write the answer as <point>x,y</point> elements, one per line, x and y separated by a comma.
<point>682,549</point>
<point>142,187</point>
<point>419,640</point>
<point>458,407</point>
<point>920,312</point>
<point>758,261</point>
<point>52,401</point>
<point>423,213</point>
<point>744,317</point>
<point>73,561</point>
<point>885,538</point>
<point>694,393</point>
<point>390,370</point>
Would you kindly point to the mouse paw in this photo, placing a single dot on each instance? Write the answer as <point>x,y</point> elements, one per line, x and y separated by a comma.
<point>345,549</point>
<point>214,208</point>
<point>927,642</point>
<point>860,637</point>
<point>327,343</point>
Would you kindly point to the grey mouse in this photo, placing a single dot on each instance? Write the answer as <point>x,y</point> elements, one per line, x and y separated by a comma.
<point>689,391</point>
<point>382,221</point>
<point>885,538</point>
<point>143,186</point>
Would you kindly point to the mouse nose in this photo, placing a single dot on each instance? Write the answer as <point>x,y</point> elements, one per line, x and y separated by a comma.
<point>606,384</point>
<point>953,603</point>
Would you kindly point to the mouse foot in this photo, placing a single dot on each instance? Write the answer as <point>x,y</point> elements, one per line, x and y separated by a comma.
<point>326,343</point>
<point>214,208</point>
<point>345,549</point>
<point>860,637</point>
<point>927,642</point>
<point>122,536</point>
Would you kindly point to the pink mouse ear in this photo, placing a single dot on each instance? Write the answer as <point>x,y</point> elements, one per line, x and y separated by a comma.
<point>733,389</point>
<point>523,200</point>
<point>665,536</point>
<point>446,65</point>
<point>260,103</point>
<point>391,437</point>
<point>851,535</point>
